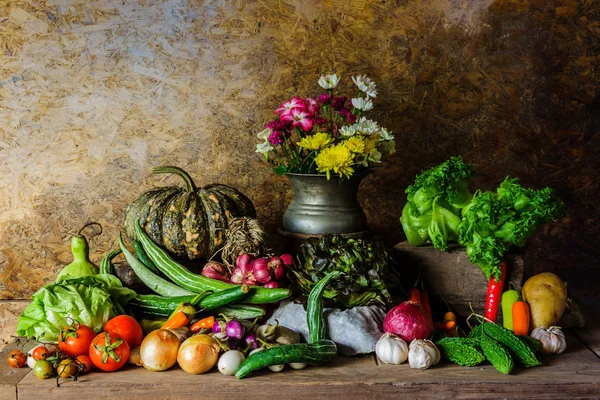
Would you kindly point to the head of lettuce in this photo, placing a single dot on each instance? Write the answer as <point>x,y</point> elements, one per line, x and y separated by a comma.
<point>90,300</point>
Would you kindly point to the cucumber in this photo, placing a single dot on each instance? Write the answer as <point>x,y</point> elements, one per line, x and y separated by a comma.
<point>199,283</point>
<point>143,257</point>
<point>105,264</point>
<point>240,311</point>
<point>317,326</point>
<point>153,281</point>
<point>160,305</point>
<point>320,352</point>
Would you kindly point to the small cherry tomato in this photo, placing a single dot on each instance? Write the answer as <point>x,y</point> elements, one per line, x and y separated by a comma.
<point>40,353</point>
<point>66,368</point>
<point>43,369</point>
<point>75,340</point>
<point>126,327</point>
<point>17,359</point>
<point>109,351</point>
<point>84,363</point>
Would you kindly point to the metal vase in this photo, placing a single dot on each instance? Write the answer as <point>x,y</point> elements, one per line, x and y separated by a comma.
<point>322,206</point>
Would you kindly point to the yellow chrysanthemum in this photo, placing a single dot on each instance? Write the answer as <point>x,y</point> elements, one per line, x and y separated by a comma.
<point>336,158</point>
<point>356,144</point>
<point>370,143</point>
<point>315,142</point>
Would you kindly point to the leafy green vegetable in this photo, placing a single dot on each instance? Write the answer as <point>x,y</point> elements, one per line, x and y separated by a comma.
<point>91,300</point>
<point>492,223</point>
<point>432,211</point>
<point>364,266</point>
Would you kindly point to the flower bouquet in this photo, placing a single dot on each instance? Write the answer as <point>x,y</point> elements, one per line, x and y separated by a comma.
<point>326,135</point>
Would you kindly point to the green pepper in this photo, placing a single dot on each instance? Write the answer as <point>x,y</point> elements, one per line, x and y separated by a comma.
<point>508,299</point>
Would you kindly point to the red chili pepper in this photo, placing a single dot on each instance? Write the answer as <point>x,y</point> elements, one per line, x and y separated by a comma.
<point>427,308</point>
<point>494,294</point>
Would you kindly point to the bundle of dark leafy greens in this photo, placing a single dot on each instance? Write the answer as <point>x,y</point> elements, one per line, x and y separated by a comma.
<point>364,266</point>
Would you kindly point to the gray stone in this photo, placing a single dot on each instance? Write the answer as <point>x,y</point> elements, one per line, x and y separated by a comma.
<point>355,331</point>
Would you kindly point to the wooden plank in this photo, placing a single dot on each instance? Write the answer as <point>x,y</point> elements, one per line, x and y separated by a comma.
<point>10,377</point>
<point>590,335</point>
<point>573,375</point>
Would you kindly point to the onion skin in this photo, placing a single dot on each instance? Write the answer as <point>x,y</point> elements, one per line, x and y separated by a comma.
<point>215,270</point>
<point>158,351</point>
<point>198,354</point>
<point>244,262</point>
<point>406,320</point>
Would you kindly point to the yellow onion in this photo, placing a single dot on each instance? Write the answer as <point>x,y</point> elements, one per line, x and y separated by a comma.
<point>158,351</point>
<point>198,354</point>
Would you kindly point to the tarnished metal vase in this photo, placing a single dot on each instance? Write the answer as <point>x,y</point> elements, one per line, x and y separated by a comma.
<point>322,206</point>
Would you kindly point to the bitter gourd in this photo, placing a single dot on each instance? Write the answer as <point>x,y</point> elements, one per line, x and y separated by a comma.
<point>531,342</point>
<point>517,347</point>
<point>476,332</point>
<point>497,355</point>
<point>461,351</point>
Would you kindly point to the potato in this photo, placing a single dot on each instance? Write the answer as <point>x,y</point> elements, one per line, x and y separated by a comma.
<point>546,295</point>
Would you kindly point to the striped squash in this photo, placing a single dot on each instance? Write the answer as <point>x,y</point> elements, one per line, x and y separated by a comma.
<point>187,221</point>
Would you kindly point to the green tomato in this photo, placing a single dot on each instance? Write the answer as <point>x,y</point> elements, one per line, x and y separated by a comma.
<point>43,369</point>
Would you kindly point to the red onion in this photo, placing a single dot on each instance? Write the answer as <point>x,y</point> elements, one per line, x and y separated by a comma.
<point>271,285</point>
<point>215,270</point>
<point>260,270</point>
<point>276,265</point>
<point>244,262</point>
<point>406,320</point>
<point>287,259</point>
<point>237,276</point>
<point>249,280</point>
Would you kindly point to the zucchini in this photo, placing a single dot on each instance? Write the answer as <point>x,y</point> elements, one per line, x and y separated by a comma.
<point>143,257</point>
<point>240,311</point>
<point>320,352</point>
<point>153,281</point>
<point>317,326</point>
<point>105,265</point>
<point>199,283</point>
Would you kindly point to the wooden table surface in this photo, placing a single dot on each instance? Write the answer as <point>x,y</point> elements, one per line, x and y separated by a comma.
<point>574,374</point>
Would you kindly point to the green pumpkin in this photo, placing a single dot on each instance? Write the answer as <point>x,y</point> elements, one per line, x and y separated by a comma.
<point>187,221</point>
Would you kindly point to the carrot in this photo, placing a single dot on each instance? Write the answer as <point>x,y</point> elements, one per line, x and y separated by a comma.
<point>176,320</point>
<point>449,325</point>
<point>205,323</point>
<point>520,318</point>
<point>414,295</point>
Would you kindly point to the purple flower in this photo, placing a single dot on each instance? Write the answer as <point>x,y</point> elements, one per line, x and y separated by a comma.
<point>276,138</point>
<point>319,121</point>
<point>346,113</point>
<point>338,102</point>
<point>278,125</point>
<point>312,106</point>
<point>324,98</point>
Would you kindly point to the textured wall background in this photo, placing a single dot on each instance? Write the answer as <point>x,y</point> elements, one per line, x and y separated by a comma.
<point>94,93</point>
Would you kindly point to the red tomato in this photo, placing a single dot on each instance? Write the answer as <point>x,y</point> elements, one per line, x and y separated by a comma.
<point>40,353</point>
<point>126,327</point>
<point>109,351</point>
<point>75,340</point>
<point>84,363</point>
<point>17,359</point>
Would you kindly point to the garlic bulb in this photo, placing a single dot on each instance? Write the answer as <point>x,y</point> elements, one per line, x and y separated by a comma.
<point>422,354</point>
<point>553,339</point>
<point>391,349</point>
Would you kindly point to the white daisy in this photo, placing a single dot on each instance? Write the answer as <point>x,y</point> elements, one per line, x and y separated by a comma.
<point>362,104</point>
<point>348,130</point>
<point>329,81</point>
<point>365,85</point>
<point>366,126</point>
<point>385,134</point>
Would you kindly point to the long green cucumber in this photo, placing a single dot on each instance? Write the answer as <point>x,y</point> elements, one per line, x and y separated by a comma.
<point>143,257</point>
<point>240,311</point>
<point>198,283</point>
<point>153,281</point>
<point>317,326</point>
<point>161,305</point>
<point>105,265</point>
<point>320,352</point>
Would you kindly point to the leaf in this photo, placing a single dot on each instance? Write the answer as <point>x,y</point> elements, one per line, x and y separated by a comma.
<point>280,170</point>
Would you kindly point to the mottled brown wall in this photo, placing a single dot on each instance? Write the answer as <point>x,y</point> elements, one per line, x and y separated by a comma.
<point>94,93</point>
